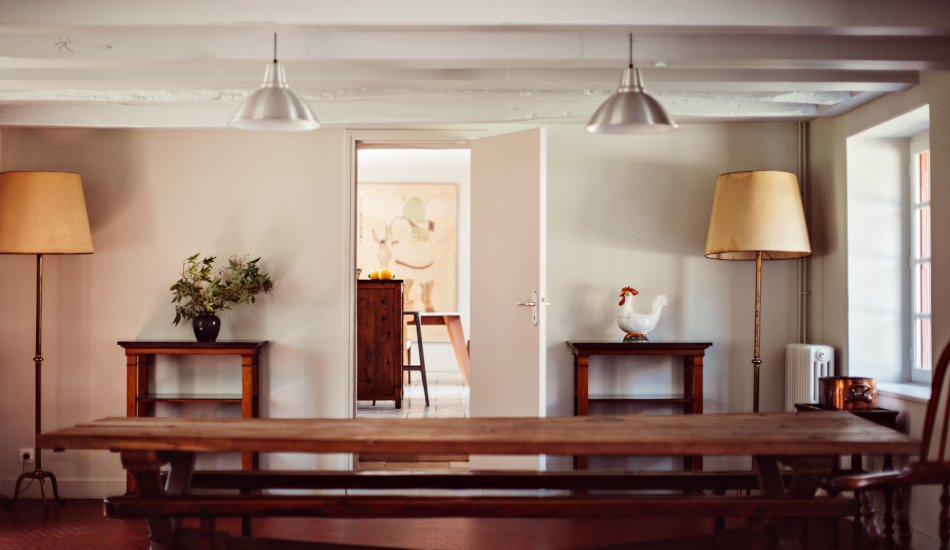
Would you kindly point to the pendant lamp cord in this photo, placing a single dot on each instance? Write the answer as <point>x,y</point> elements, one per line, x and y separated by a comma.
<point>275,47</point>
<point>631,51</point>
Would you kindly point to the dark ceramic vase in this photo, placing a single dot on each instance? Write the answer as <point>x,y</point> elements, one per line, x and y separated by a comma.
<point>206,327</point>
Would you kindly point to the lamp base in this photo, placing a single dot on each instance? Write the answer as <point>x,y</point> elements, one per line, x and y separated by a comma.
<point>42,476</point>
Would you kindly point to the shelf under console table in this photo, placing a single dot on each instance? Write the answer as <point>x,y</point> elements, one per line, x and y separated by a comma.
<point>141,399</point>
<point>691,398</point>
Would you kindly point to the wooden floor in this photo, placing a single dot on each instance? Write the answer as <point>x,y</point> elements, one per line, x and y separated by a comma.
<point>80,526</point>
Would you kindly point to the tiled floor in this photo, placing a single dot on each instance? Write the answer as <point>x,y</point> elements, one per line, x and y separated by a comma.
<point>448,397</point>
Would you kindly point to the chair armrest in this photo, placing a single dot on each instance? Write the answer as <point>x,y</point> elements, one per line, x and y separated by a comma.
<point>921,473</point>
<point>871,482</point>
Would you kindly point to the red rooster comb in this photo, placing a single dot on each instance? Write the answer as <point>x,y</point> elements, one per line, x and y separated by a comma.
<point>624,291</point>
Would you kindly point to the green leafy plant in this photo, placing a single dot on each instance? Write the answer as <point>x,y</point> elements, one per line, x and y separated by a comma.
<point>202,290</point>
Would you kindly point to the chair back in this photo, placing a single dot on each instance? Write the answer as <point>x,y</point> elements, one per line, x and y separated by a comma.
<point>936,444</point>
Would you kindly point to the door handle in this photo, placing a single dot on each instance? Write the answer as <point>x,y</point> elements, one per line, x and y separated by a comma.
<point>532,302</point>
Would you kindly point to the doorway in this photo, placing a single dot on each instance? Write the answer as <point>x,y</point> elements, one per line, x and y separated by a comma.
<point>413,218</point>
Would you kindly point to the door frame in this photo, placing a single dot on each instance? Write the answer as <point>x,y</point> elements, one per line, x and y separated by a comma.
<point>407,138</point>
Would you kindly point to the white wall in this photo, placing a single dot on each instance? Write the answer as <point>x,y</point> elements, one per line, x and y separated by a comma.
<point>634,210</point>
<point>829,171</point>
<point>449,166</point>
<point>621,210</point>
<point>155,197</point>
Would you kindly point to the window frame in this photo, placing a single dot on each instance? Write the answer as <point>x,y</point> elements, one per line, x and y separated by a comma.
<point>918,145</point>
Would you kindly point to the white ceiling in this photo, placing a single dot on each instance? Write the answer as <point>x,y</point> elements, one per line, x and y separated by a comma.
<point>386,63</point>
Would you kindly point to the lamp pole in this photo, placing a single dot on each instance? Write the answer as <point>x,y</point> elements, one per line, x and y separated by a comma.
<point>38,473</point>
<point>756,359</point>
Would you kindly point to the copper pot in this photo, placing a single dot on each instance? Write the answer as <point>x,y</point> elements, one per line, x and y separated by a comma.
<point>847,393</point>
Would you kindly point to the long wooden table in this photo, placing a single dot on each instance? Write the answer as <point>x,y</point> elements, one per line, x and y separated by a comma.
<point>809,443</point>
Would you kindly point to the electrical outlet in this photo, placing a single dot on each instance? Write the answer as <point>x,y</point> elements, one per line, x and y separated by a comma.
<point>26,455</point>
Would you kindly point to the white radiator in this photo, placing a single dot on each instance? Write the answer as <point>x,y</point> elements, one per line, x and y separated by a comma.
<point>804,364</point>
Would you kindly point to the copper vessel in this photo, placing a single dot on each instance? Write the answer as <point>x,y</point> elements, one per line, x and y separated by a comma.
<point>847,393</point>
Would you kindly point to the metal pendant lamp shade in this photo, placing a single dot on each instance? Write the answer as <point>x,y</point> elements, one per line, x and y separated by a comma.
<point>630,110</point>
<point>275,107</point>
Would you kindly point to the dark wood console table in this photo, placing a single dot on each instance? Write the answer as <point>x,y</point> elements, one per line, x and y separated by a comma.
<point>691,399</point>
<point>141,399</point>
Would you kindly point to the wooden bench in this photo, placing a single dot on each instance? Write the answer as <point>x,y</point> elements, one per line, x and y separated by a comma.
<point>541,495</point>
<point>809,444</point>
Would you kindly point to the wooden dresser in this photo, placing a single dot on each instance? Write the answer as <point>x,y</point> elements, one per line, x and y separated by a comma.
<point>379,341</point>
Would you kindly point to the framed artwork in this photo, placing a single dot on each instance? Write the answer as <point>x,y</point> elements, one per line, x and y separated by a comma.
<point>412,229</point>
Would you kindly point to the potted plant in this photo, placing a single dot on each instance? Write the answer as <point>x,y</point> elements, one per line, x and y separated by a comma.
<point>200,292</point>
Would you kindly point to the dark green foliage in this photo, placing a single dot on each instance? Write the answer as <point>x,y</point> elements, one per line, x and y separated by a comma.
<point>201,290</point>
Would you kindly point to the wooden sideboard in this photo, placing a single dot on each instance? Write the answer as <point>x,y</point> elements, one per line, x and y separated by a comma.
<point>379,341</point>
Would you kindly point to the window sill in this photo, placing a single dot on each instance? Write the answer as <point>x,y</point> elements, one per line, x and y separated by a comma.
<point>917,393</point>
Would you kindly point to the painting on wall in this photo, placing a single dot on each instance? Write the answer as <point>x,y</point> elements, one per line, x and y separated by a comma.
<point>412,228</point>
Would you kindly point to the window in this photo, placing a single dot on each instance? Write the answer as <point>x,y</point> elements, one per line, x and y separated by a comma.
<point>921,345</point>
<point>889,249</point>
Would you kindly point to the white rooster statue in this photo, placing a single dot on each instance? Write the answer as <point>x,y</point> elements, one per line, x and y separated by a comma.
<point>637,325</point>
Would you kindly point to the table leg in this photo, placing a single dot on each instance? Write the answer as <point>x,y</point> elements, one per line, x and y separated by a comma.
<point>769,474</point>
<point>581,363</point>
<point>250,405</point>
<point>131,384</point>
<point>137,367</point>
<point>693,389</point>
<point>142,363</point>
<point>250,408</point>
<point>453,324</point>
<point>145,468</point>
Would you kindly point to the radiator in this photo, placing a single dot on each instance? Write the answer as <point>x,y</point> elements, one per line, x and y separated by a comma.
<point>804,364</point>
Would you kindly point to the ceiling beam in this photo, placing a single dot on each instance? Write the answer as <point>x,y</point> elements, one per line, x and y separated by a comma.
<point>801,16</point>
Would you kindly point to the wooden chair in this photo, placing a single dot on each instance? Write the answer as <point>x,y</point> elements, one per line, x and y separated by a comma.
<point>408,367</point>
<point>933,467</point>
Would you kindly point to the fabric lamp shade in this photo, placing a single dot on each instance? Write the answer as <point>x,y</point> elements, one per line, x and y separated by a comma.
<point>757,211</point>
<point>43,213</point>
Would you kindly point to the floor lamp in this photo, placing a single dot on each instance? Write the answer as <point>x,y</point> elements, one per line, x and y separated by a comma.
<point>757,216</point>
<point>42,213</point>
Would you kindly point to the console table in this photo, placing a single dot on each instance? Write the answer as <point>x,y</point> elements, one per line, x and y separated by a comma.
<point>141,399</point>
<point>691,399</point>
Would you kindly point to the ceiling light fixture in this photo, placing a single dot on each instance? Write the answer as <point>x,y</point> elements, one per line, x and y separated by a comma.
<point>274,107</point>
<point>630,110</point>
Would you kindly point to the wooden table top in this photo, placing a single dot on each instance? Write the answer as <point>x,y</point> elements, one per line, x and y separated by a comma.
<point>778,434</point>
<point>601,346</point>
<point>163,346</point>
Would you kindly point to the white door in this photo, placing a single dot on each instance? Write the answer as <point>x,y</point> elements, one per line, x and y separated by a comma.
<point>508,258</point>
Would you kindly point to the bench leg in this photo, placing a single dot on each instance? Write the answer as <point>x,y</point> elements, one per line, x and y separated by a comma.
<point>756,534</point>
<point>207,533</point>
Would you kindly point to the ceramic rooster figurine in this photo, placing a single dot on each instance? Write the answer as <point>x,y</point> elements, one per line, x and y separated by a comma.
<point>637,325</point>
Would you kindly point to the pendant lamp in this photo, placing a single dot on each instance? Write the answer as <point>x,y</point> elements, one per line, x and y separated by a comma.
<point>274,107</point>
<point>630,110</point>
